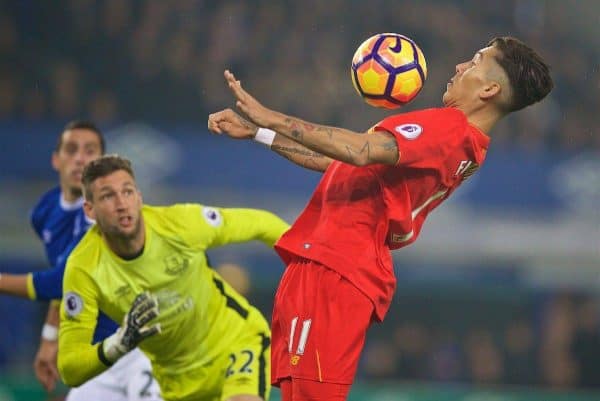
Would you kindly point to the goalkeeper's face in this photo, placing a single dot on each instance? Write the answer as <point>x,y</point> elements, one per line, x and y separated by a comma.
<point>116,205</point>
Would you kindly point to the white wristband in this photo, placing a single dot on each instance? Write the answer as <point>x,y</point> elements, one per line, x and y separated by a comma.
<point>50,332</point>
<point>265,136</point>
<point>112,346</point>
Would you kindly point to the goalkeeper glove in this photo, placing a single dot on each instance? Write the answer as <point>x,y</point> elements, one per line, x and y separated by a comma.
<point>133,330</point>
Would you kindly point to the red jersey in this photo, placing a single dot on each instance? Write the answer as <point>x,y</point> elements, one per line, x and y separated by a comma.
<point>358,214</point>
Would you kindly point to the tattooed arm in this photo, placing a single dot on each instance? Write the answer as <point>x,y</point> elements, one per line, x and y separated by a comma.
<point>229,122</point>
<point>300,154</point>
<point>337,143</point>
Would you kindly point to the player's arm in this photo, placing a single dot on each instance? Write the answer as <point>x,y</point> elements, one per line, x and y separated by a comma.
<point>44,363</point>
<point>238,127</point>
<point>340,144</point>
<point>44,285</point>
<point>299,154</point>
<point>16,284</point>
<point>219,226</point>
<point>241,225</point>
<point>337,143</point>
<point>78,359</point>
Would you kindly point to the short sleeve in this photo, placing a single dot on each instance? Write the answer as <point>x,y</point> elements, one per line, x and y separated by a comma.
<point>425,138</point>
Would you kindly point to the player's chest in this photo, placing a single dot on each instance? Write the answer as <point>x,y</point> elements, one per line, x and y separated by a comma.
<point>346,183</point>
<point>171,271</point>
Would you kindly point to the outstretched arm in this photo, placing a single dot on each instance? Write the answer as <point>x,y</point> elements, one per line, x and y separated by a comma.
<point>43,285</point>
<point>242,225</point>
<point>337,143</point>
<point>15,284</point>
<point>230,122</point>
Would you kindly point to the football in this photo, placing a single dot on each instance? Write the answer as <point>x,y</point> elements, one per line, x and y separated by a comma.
<point>388,70</point>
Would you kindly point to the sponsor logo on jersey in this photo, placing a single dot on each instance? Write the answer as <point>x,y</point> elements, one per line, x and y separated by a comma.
<point>73,304</point>
<point>212,216</point>
<point>47,236</point>
<point>294,360</point>
<point>409,131</point>
<point>175,264</point>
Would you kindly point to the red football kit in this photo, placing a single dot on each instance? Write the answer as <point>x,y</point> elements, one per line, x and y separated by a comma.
<point>340,274</point>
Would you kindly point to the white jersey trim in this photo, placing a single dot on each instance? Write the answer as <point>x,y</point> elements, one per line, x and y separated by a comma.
<point>69,206</point>
<point>406,237</point>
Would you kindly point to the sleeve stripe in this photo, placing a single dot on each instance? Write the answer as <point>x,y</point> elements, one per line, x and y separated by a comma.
<point>31,293</point>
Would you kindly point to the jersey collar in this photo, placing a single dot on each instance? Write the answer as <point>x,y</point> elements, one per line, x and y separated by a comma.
<point>70,206</point>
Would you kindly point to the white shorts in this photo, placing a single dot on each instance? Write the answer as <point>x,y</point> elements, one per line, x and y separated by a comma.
<point>129,379</point>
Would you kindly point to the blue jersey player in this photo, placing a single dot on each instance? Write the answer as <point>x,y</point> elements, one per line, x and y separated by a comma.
<point>59,221</point>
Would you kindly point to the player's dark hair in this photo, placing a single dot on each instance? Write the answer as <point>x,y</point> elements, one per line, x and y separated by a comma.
<point>528,74</point>
<point>81,124</point>
<point>102,167</point>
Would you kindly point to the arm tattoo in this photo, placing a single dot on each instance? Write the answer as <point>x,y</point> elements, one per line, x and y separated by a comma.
<point>302,156</point>
<point>328,131</point>
<point>291,150</point>
<point>352,153</point>
<point>298,128</point>
<point>295,129</point>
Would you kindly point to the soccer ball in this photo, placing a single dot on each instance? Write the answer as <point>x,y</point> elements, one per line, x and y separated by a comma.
<point>388,70</point>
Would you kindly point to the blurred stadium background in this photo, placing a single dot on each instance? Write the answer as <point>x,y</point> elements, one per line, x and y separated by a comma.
<point>498,300</point>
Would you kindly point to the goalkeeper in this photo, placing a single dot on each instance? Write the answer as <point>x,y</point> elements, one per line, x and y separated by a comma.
<point>145,266</point>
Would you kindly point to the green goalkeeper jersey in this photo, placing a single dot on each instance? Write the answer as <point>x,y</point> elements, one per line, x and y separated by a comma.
<point>200,315</point>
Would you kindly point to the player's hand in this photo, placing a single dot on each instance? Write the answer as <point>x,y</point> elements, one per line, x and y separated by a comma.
<point>135,327</point>
<point>44,364</point>
<point>256,112</point>
<point>231,123</point>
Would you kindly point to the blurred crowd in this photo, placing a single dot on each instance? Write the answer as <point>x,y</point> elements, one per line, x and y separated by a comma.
<point>120,60</point>
<point>552,342</point>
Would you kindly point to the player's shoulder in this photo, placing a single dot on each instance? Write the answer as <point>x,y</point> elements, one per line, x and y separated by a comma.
<point>86,254</point>
<point>170,213</point>
<point>423,123</point>
<point>48,202</point>
<point>50,197</point>
<point>443,112</point>
<point>427,117</point>
<point>46,210</point>
<point>180,218</point>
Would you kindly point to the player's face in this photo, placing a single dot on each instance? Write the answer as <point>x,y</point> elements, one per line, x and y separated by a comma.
<point>79,146</point>
<point>116,206</point>
<point>471,78</point>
